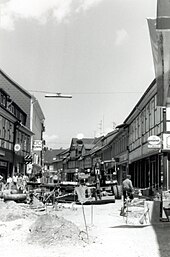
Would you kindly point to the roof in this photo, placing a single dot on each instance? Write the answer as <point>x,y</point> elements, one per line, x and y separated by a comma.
<point>15,84</point>
<point>24,91</point>
<point>49,155</point>
<point>98,146</point>
<point>140,100</point>
<point>66,151</point>
<point>96,149</point>
<point>88,143</point>
<point>104,141</point>
<point>84,140</point>
<point>108,143</point>
<point>13,102</point>
<point>88,146</point>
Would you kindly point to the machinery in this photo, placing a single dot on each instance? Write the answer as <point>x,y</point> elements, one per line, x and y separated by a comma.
<point>109,178</point>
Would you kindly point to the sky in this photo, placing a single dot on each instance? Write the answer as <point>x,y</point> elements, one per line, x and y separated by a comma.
<point>96,50</point>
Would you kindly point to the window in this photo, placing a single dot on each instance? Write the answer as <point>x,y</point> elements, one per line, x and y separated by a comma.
<point>3,99</point>
<point>152,112</point>
<point>1,126</point>
<point>147,119</point>
<point>144,121</point>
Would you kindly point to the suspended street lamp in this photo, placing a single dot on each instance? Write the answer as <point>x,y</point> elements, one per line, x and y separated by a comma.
<point>58,95</point>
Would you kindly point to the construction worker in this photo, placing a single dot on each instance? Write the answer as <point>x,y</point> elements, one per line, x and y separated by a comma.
<point>127,192</point>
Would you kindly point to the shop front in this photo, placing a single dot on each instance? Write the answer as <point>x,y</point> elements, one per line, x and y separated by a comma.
<point>5,163</point>
<point>3,169</point>
<point>147,173</point>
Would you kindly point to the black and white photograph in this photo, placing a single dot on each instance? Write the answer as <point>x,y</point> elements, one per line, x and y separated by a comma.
<point>84,128</point>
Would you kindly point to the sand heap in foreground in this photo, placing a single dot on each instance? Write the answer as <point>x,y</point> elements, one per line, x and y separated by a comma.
<point>50,229</point>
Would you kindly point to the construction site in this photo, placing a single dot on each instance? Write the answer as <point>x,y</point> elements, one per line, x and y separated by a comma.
<point>31,227</point>
<point>103,195</point>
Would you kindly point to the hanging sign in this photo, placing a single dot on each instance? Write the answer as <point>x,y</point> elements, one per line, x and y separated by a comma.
<point>17,147</point>
<point>166,141</point>
<point>37,145</point>
<point>154,142</point>
<point>29,168</point>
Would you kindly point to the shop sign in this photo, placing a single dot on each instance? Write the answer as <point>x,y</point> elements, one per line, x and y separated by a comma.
<point>17,147</point>
<point>166,141</point>
<point>29,168</point>
<point>37,145</point>
<point>154,142</point>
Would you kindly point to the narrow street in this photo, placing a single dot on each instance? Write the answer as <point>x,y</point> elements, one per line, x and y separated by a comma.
<point>27,232</point>
<point>84,128</point>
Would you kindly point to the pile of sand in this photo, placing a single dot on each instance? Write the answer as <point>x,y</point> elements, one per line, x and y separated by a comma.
<point>51,229</point>
<point>10,211</point>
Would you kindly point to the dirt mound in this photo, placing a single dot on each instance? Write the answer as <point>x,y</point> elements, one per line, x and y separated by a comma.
<point>11,210</point>
<point>51,229</point>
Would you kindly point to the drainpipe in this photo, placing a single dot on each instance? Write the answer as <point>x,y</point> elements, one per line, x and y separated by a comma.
<point>31,120</point>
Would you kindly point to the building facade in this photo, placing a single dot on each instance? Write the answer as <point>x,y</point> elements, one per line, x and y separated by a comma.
<point>27,117</point>
<point>15,137</point>
<point>148,164</point>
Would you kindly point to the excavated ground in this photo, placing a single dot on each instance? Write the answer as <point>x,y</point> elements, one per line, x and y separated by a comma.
<point>60,231</point>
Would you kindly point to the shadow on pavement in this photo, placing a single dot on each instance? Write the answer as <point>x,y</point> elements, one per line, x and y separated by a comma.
<point>162,232</point>
<point>161,228</point>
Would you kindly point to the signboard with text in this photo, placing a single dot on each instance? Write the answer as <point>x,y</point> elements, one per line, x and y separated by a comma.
<point>166,141</point>
<point>37,145</point>
<point>154,142</point>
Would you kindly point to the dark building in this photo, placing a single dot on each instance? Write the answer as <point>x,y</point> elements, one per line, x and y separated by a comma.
<point>15,137</point>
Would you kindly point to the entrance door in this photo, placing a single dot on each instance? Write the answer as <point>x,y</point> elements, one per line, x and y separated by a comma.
<point>3,169</point>
<point>3,172</point>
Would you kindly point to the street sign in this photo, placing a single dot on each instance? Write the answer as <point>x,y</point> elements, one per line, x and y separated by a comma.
<point>37,145</point>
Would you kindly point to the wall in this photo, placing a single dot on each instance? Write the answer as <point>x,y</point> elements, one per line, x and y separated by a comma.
<point>17,94</point>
